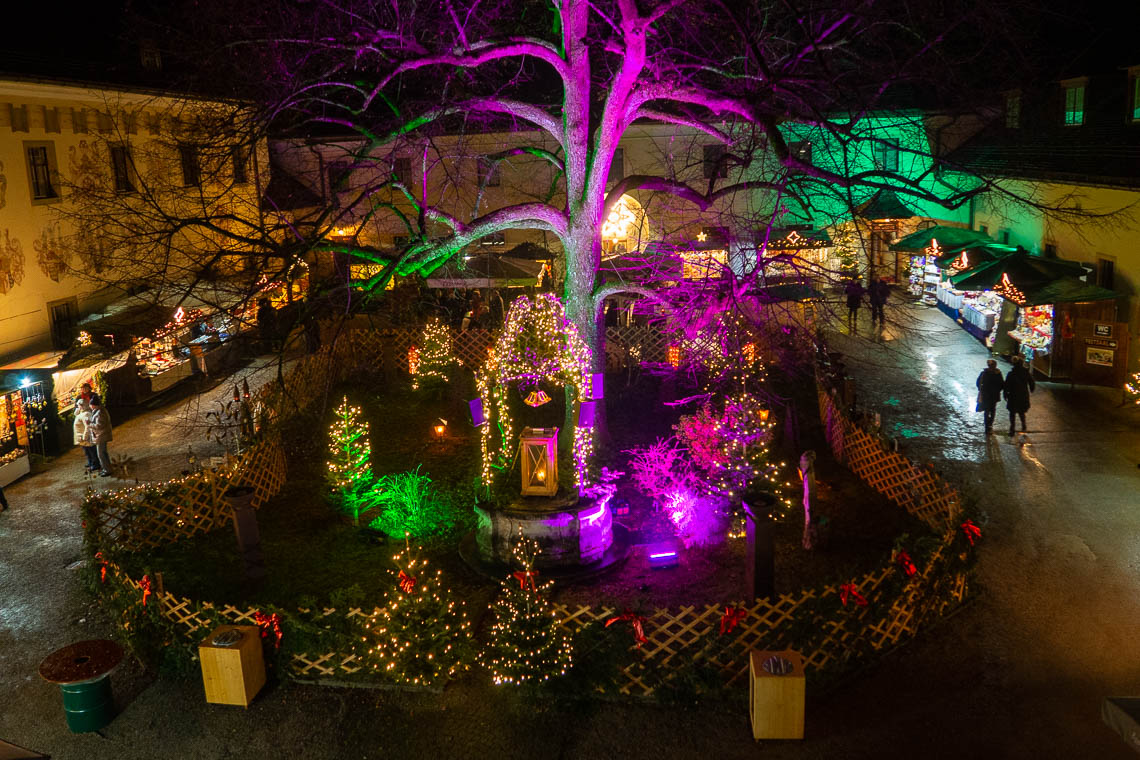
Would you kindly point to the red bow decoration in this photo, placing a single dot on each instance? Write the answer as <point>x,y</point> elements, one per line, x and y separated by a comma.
<point>266,622</point>
<point>144,584</point>
<point>731,618</point>
<point>907,563</point>
<point>851,591</point>
<point>102,567</point>
<point>526,576</point>
<point>407,582</point>
<point>636,621</point>
<point>972,531</point>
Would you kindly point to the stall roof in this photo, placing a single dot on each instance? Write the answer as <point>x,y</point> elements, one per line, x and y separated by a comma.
<point>44,360</point>
<point>1025,270</point>
<point>139,319</point>
<point>976,255</point>
<point>1068,290</point>
<point>949,238</point>
<point>884,205</point>
<point>487,271</point>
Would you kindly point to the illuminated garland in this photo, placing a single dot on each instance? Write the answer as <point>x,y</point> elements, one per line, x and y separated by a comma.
<point>1007,289</point>
<point>1132,387</point>
<point>421,635</point>
<point>526,642</point>
<point>350,452</point>
<point>434,358</point>
<point>537,343</point>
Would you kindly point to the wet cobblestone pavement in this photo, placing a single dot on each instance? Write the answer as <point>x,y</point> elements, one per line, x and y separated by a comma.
<point>1018,673</point>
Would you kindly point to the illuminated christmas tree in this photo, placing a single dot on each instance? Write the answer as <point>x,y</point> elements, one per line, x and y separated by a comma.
<point>421,635</point>
<point>1132,387</point>
<point>435,357</point>
<point>526,642</point>
<point>844,243</point>
<point>349,456</point>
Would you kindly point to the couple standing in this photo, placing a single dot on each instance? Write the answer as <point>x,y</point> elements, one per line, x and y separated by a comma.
<point>92,430</point>
<point>1015,387</point>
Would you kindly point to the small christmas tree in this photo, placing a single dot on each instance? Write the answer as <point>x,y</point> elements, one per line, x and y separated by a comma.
<point>526,643</point>
<point>435,357</point>
<point>844,244</point>
<point>421,635</point>
<point>349,454</point>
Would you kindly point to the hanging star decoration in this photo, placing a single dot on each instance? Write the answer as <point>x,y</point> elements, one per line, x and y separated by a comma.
<point>144,584</point>
<point>637,622</point>
<point>972,531</point>
<point>731,618</point>
<point>537,397</point>
<point>851,591</point>
<point>907,563</point>
<point>269,623</point>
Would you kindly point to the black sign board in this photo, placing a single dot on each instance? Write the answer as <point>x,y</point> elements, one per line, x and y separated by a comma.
<point>1102,331</point>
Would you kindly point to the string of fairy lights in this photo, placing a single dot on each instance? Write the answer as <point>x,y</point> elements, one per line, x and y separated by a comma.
<point>349,448</point>
<point>421,635</point>
<point>434,356</point>
<point>537,343</point>
<point>526,643</point>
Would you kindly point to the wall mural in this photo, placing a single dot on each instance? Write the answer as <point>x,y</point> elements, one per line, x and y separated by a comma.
<point>85,167</point>
<point>11,262</point>
<point>51,255</point>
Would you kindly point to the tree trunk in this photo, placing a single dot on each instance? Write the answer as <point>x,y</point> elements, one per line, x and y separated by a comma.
<point>578,297</point>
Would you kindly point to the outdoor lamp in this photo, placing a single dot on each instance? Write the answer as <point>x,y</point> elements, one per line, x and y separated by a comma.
<point>440,428</point>
<point>539,461</point>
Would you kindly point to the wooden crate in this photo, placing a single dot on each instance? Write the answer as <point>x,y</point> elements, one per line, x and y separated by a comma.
<point>776,702</point>
<point>233,675</point>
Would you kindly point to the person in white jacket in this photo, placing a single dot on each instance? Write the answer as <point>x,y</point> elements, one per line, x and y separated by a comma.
<point>84,437</point>
<point>100,426</point>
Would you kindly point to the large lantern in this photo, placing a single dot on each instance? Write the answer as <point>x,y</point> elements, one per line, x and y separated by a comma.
<point>539,461</point>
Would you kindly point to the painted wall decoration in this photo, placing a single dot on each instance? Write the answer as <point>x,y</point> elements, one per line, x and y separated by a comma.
<point>51,255</point>
<point>85,166</point>
<point>11,262</point>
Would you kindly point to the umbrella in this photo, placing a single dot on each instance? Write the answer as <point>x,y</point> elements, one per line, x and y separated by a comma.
<point>949,239</point>
<point>487,271</point>
<point>974,255</point>
<point>1015,274</point>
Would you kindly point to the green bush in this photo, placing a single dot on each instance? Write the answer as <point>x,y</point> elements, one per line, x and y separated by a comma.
<point>411,506</point>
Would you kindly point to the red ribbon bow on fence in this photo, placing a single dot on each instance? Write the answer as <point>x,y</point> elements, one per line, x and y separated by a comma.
<point>972,531</point>
<point>144,584</point>
<point>907,563</point>
<point>407,582</point>
<point>732,617</point>
<point>851,591</point>
<point>526,576</point>
<point>266,622</point>
<point>636,621</point>
<point>102,567</point>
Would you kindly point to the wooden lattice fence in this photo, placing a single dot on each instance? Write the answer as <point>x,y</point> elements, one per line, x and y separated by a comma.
<point>915,488</point>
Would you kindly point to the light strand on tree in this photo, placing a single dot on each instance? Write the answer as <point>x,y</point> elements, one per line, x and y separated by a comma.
<point>434,358</point>
<point>349,450</point>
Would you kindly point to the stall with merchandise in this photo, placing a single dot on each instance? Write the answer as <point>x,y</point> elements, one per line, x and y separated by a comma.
<point>14,439</point>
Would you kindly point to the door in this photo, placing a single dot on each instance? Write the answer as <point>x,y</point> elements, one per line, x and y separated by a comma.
<point>64,317</point>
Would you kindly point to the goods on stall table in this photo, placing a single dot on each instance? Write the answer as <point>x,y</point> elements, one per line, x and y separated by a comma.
<point>930,282</point>
<point>1034,329</point>
<point>917,275</point>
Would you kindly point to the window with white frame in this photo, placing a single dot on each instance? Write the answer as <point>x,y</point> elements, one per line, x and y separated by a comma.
<point>887,156</point>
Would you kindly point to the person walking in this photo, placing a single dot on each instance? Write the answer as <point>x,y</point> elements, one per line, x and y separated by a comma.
<point>84,437</point>
<point>100,425</point>
<point>312,327</point>
<point>1018,385</point>
<point>990,384</point>
<point>855,292</point>
<point>879,291</point>
<point>267,325</point>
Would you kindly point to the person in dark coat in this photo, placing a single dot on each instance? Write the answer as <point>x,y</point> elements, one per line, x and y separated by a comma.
<point>878,292</point>
<point>990,384</point>
<point>1018,385</point>
<point>267,325</point>
<point>855,292</point>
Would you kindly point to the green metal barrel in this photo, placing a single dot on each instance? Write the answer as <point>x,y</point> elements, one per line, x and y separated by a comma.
<point>88,706</point>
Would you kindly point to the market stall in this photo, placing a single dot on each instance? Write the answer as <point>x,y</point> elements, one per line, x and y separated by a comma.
<point>927,249</point>
<point>14,437</point>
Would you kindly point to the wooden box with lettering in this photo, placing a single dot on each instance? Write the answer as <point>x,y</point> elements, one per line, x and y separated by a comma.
<point>776,694</point>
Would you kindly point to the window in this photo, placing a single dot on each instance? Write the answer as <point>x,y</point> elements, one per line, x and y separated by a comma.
<point>51,119</point>
<point>495,238</point>
<point>1003,237</point>
<point>714,164</point>
<point>238,160</point>
<point>121,169</point>
<point>64,316</point>
<point>704,265</point>
<point>1050,250</point>
<point>488,172</point>
<point>1134,97</point>
<point>402,168</point>
<point>1074,105</point>
<point>78,121</point>
<point>191,171</point>
<point>41,170</point>
<point>984,229</point>
<point>1105,272</point>
<point>1013,110</point>
<point>886,156</point>
<point>617,168</point>
<point>801,149</point>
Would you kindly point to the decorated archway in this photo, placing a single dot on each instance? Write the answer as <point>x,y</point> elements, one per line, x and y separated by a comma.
<point>538,344</point>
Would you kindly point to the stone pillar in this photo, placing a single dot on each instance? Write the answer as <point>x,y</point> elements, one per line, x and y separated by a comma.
<point>240,500</point>
<point>760,571</point>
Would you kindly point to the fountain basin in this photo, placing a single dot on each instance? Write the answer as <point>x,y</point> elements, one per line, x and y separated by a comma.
<point>570,532</point>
